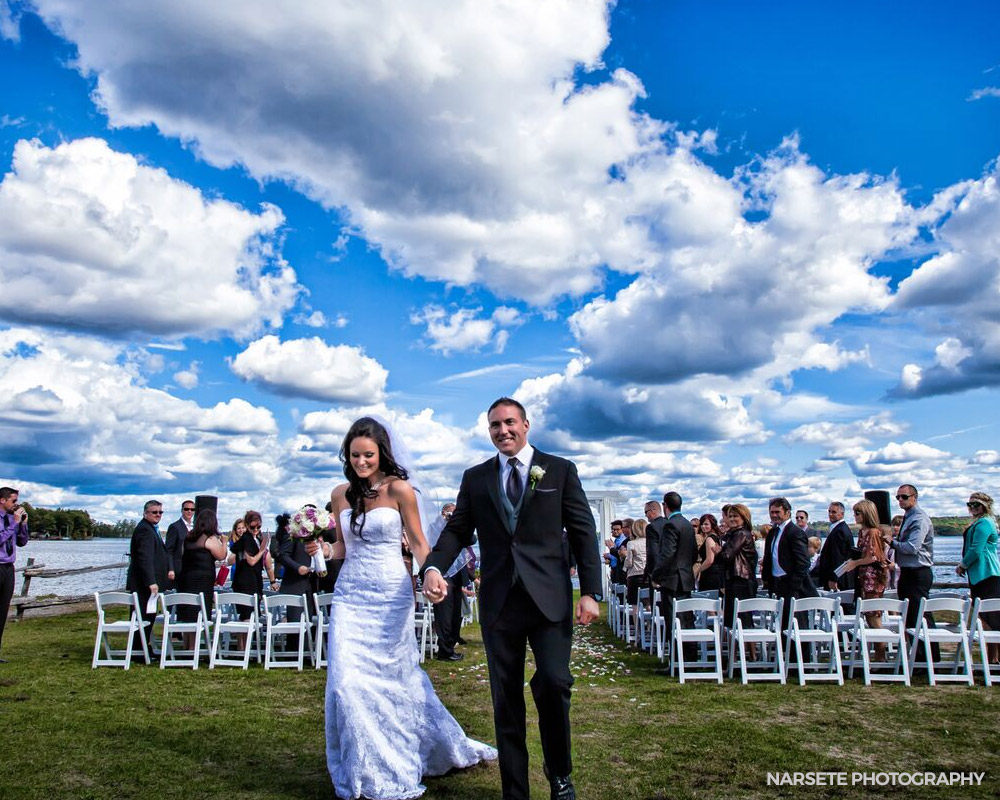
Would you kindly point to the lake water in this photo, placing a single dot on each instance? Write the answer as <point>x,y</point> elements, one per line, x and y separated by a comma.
<point>72,555</point>
<point>97,552</point>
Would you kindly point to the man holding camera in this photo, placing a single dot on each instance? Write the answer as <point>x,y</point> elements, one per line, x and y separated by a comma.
<point>13,534</point>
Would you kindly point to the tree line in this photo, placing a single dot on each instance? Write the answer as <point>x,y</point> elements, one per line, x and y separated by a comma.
<point>74,523</point>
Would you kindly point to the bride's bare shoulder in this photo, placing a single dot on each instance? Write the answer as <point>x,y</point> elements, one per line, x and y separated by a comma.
<point>397,487</point>
<point>339,495</point>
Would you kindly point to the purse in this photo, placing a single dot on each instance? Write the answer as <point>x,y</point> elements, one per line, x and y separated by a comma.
<point>220,579</point>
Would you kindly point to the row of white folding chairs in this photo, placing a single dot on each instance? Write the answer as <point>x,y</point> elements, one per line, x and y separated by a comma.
<point>964,635</point>
<point>215,634</point>
<point>817,626</point>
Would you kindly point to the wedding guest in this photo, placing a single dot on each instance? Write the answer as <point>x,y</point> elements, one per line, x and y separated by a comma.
<point>980,563</point>
<point>709,573</point>
<point>813,545</point>
<point>203,546</point>
<point>297,578</point>
<point>235,534</point>
<point>448,613</point>
<point>176,535</point>
<point>147,569</point>
<point>251,551</point>
<point>724,519</point>
<point>759,538</point>
<point>635,561</point>
<point>738,558</point>
<point>13,534</point>
<point>914,551</point>
<point>896,524</point>
<point>872,568</point>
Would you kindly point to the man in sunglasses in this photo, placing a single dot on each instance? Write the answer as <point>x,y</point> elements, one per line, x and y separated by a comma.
<point>13,534</point>
<point>176,536</point>
<point>147,569</point>
<point>914,552</point>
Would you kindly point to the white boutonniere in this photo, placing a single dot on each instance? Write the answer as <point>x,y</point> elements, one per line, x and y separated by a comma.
<point>535,475</point>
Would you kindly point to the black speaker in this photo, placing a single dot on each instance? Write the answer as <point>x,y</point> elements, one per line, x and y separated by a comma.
<point>206,501</point>
<point>880,497</point>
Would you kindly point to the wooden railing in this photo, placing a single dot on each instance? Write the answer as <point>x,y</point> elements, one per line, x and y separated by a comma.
<point>22,602</point>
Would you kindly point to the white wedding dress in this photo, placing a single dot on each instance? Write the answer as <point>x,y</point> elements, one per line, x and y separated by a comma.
<point>385,726</point>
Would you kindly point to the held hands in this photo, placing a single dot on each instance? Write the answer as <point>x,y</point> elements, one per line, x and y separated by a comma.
<point>587,610</point>
<point>435,586</point>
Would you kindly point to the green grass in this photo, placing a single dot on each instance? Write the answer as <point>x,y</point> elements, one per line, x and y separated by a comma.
<point>73,732</point>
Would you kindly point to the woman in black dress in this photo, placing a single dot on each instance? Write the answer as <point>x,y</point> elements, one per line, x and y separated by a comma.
<point>202,548</point>
<point>710,574</point>
<point>252,556</point>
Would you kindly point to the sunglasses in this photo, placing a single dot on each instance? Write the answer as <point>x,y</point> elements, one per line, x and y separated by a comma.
<point>903,496</point>
<point>254,527</point>
<point>973,504</point>
<point>156,512</point>
<point>188,508</point>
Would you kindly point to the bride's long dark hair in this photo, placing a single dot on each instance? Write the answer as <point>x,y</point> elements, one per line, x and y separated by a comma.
<point>360,489</point>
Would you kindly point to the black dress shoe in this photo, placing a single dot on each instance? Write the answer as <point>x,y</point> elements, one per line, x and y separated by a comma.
<point>461,641</point>
<point>562,788</point>
<point>3,660</point>
<point>451,657</point>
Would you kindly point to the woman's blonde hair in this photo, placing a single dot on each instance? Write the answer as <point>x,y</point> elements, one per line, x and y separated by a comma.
<point>868,512</point>
<point>639,529</point>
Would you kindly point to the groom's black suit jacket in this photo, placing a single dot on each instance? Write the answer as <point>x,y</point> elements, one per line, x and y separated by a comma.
<point>535,547</point>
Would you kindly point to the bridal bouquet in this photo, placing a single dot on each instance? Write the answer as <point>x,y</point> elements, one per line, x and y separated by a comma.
<point>308,524</point>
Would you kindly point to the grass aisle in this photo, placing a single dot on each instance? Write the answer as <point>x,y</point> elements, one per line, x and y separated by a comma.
<point>73,732</point>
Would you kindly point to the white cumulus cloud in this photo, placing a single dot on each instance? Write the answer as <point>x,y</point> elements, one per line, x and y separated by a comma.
<point>313,369</point>
<point>92,239</point>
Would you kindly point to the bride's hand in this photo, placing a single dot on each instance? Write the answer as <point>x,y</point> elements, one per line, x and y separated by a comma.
<point>435,586</point>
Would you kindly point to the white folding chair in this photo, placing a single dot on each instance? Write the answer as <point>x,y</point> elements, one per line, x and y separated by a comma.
<point>276,609</point>
<point>113,657</point>
<point>228,625</point>
<point>423,619</point>
<point>983,636</point>
<point>764,632</point>
<point>644,621</point>
<point>660,624</point>
<point>322,602</point>
<point>170,654</point>
<point>960,668</point>
<point>892,634</point>
<point>470,608</point>
<point>617,603</point>
<point>844,620</point>
<point>708,665</point>
<point>811,623</point>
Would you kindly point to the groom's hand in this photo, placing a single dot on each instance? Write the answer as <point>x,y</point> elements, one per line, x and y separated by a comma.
<point>587,610</point>
<point>435,586</point>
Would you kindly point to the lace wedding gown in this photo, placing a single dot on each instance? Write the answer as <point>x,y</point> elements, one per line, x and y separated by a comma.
<point>385,726</point>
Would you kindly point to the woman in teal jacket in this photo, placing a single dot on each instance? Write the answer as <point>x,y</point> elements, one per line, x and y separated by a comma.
<point>979,560</point>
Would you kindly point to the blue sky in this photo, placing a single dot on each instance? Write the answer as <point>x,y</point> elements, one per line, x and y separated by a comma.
<point>732,249</point>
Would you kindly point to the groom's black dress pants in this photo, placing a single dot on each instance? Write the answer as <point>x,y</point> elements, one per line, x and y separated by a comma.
<point>520,623</point>
<point>448,616</point>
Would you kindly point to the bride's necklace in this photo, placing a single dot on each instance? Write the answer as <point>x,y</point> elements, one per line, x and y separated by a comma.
<point>374,487</point>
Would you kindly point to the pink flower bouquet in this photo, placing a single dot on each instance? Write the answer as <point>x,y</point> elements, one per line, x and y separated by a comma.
<point>309,523</point>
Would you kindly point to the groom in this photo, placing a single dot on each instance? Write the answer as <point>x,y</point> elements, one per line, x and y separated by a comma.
<point>521,502</point>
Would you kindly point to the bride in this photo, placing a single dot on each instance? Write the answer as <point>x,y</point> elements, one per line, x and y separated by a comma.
<point>385,726</point>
